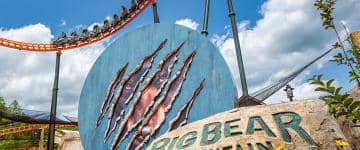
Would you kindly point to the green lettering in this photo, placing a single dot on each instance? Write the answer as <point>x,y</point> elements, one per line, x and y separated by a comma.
<point>293,124</point>
<point>163,143</point>
<point>250,147</point>
<point>206,132</point>
<point>227,148</point>
<point>228,126</point>
<point>187,140</point>
<point>251,126</point>
<point>268,146</point>
<point>238,147</point>
<point>172,144</point>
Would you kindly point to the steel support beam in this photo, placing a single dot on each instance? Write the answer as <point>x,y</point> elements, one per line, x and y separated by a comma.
<point>238,49</point>
<point>155,13</point>
<point>51,136</point>
<point>206,18</point>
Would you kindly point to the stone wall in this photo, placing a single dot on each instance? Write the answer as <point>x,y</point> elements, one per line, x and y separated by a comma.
<point>295,125</point>
<point>346,125</point>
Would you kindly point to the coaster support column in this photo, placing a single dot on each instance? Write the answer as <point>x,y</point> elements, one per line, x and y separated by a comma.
<point>155,12</point>
<point>206,18</point>
<point>51,136</point>
<point>238,49</point>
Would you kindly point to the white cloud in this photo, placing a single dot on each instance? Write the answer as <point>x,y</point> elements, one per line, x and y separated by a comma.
<point>63,23</point>
<point>37,33</point>
<point>80,27</point>
<point>287,37</point>
<point>188,23</point>
<point>108,18</point>
<point>28,76</point>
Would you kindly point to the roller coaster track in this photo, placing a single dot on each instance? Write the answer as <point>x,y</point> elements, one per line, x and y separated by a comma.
<point>53,48</point>
<point>29,128</point>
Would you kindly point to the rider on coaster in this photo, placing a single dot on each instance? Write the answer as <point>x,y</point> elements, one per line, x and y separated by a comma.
<point>96,31</point>
<point>133,6</point>
<point>63,39</point>
<point>124,13</point>
<point>140,1</point>
<point>74,37</point>
<point>106,26</point>
<point>116,21</point>
<point>85,35</point>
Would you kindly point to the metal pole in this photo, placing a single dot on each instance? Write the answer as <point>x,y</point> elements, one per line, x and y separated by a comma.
<point>238,49</point>
<point>155,12</point>
<point>51,136</point>
<point>206,18</point>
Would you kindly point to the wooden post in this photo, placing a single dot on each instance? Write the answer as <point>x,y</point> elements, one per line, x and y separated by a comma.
<point>41,142</point>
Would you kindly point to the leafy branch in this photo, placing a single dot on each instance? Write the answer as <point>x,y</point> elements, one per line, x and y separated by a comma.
<point>339,104</point>
<point>326,8</point>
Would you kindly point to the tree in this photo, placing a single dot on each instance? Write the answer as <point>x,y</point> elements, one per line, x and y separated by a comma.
<point>14,107</point>
<point>19,140</point>
<point>2,107</point>
<point>2,104</point>
<point>340,103</point>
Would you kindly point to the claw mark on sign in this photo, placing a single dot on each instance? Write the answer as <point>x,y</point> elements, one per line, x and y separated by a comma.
<point>129,85</point>
<point>147,95</point>
<point>182,117</point>
<point>157,116</point>
<point>110,93</point>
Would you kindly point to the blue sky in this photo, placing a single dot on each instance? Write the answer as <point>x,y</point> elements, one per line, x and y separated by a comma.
<point>277,37</point>
<point>18,13</point>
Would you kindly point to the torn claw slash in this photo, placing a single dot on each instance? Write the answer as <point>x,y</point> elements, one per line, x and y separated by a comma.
<point>153,121</point>
<point>110,93</point>
<point>148,95</point>
<point>129,86</point>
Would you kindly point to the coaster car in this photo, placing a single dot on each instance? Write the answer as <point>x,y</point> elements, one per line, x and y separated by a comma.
<point>106,27</point>
<point>140,1</point>
<point>116,21</point>
<point>124,13</point>
<point>74,38</point>
<point>85,35</point>
<point>60,41</point>
<point>96,31</point>
<point>133,6</point>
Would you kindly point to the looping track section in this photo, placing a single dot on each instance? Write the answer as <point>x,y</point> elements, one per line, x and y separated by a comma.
<point>52,48</point>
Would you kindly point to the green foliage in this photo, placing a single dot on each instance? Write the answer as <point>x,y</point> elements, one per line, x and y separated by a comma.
<point>14,107</point>
<point>339,104</point>
<point>76,128</point>
<point>338,58</point>
<point>19,140</point>
<point>7,144</point>
<point>347,58</point>
<point>353,75</point>
<point>326,7</point>
<point>4,108</point>
<point>2,104</point>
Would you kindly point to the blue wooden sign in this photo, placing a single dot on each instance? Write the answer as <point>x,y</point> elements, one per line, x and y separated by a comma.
<point>151,81</point>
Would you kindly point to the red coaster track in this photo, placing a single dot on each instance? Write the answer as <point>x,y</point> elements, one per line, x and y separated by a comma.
<point>51,47</point>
